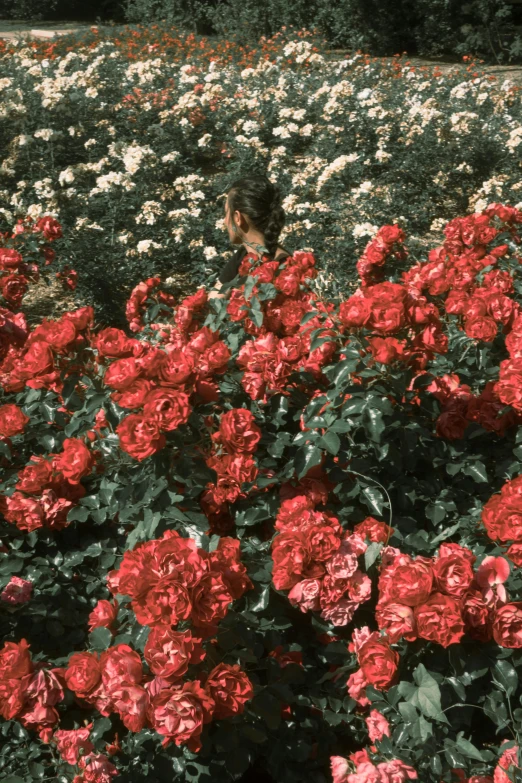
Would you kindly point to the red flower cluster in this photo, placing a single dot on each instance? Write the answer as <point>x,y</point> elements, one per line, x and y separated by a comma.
<point>171,580</point>
<point>508,386</point>
<point>502,518</point>
<point>136,303</point>
<point>387,242</point>
<point>238,435</point>
<point>29,692</point>
<point>390,308</point>
<point>441,598</point>
<point>12,420</point>
<point>377,661</point>
<point>318,562</point>
<point>159,381</point>
<point>358,768</point>
<point>460,407</point>
<point>49,353</point>
<point>15,273</point>
<point>115,682</point>
<point>47,488</point>
<point>269,361</point>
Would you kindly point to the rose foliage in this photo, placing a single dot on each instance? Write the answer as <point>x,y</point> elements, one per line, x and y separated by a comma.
<point>267,533</point>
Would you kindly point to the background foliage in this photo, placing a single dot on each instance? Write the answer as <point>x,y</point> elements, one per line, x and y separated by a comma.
<point>485,28</point>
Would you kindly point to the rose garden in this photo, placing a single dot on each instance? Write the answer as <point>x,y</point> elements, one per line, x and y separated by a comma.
<point>275,536</point>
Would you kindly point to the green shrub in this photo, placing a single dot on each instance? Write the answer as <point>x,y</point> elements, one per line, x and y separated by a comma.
<point>35,10</point>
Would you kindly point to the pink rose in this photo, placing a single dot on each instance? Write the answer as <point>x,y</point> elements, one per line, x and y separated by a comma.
<point>16,591</point>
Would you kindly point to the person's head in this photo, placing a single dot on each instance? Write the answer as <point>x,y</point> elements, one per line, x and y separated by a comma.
<point>253,212</point>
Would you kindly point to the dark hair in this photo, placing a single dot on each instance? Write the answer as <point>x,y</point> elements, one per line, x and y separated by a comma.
<point>258,198</point>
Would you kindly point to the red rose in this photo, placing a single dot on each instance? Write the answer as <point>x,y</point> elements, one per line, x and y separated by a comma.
<point>37,361</point>
<point>17,591</point>
<point>132,703</point>
<point>238,431</point>
<point>306,594</point>
<point>140,436</point>
<point>453,574</point>
<point>179,714</point>
<point>226,559</point>
<point>176,369</point>
<point>9,258</point>
<point>481,328</point>
<point>166,603</point>
<point>386,349</point>
<point>291,557</point>
<point>439,620</point>
<point>356,311</point>
<point>451,425</point>
<point>13,288</point>
<point>170,408</point>
<point>75,461</point>
<point>122,373</point>
<point>378,663</point>
<point>230,689</point>
<point>103,615</point>
<point>409,583</point>
<point>83,673</point>
<point>135,395</point>
<point>50,228</point>
<point>13,696</point>
<point>96,768</point>
<point>391,234</point>
<point>374,530</point>
<point>73,744</point>
<point>15,660</point>
<point>323,541</point>
<point>507,763</point>
<point>12,420</point>
<point>477,615</point>
<point>211,599</point>
<point>507,625</point>
<point>58,334</point>
<point>120,664</point>
<point>25,513</point>
<point>114,343</point>
<point>169,652</point>
<point>35,476</point>
<point>397,620</point>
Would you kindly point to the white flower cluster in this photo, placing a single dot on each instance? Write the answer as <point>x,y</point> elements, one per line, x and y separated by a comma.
<point>146,244</point>
<point>339,164</point>
<point>149,211</point>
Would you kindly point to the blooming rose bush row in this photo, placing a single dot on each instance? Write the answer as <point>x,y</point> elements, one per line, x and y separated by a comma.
<point>295,515</point>
<point>130,140</point>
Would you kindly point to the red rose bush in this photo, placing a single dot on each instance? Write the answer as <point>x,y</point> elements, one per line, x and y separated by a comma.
<point>267,532</point>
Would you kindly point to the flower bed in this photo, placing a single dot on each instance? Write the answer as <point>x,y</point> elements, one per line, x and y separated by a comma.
<point>131,141</point>
<point>274,532</point>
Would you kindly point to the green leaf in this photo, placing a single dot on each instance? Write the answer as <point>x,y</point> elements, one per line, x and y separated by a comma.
<point>100,639</point>
<point>375,424</point>
<point>425,697</point>
<point>505,675</point>
<point>468,749</point>
<point>374,499</point>
<point>78,514</point>
<point>307,457</point>
<point>331,442</point>
<point>372,553</point>
<point>477,471</point>
<point>435,512</point>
